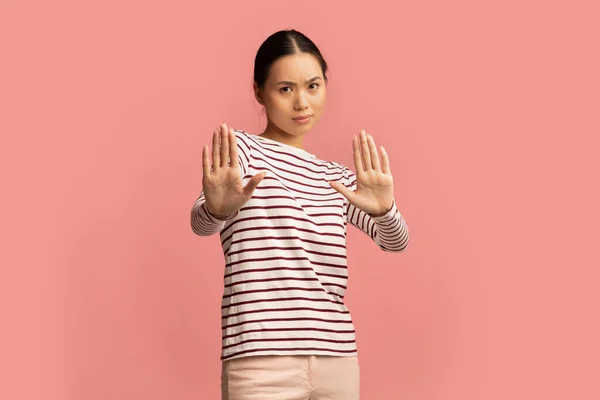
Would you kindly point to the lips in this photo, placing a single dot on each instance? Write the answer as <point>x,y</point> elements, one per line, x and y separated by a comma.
<point>302,117</point>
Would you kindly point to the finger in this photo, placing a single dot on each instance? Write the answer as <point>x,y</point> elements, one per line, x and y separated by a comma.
<point>224,145</point>
<point>340,187</point>
<point>253,183</point>
<point>385,160</point>
<point>233,153</point>
<point>358,161</point>
<point>374,155</point>
<point>365,150</point>
<point>205,161</point>
<point>215,150</point>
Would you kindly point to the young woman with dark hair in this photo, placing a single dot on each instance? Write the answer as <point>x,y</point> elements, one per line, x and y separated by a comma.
<point>281,213</point>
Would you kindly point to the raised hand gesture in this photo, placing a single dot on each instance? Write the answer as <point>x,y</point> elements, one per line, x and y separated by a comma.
<point>222,184</point>
<point>374,184</point>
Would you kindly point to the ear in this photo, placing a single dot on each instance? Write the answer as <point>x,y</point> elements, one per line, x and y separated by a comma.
<point>258,95</point>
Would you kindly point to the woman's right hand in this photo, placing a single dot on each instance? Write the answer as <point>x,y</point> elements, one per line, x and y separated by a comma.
<point>222,184</point>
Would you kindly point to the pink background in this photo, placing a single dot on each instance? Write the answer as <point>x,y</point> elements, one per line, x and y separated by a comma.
<point>490,114</point>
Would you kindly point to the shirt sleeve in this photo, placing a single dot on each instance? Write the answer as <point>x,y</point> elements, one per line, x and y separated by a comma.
<point>204,223</point>
<point>389,231</point>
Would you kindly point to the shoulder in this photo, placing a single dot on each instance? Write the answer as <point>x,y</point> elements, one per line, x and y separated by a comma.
<point>339,171</point>
<point>241,134</point>
<point>339,167</point>
<point>243,138</point>
<point>335,164</point>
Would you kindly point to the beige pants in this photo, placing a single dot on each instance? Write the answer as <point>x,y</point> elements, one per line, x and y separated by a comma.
<point>290,378</point>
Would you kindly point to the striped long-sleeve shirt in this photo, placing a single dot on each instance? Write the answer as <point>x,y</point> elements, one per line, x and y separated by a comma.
<point>285,253</point>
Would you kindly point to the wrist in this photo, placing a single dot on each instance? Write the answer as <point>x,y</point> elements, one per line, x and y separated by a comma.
<point>216,216</point>
<point>383,213</point>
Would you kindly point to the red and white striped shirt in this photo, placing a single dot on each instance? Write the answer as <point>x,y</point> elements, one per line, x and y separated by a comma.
<point>285,253</point>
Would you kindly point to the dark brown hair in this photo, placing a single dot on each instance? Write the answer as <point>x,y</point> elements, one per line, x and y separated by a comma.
<point>279,44</point>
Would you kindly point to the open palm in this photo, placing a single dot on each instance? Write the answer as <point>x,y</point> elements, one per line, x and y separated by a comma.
<point>222,183</point>
<point>374,192</point>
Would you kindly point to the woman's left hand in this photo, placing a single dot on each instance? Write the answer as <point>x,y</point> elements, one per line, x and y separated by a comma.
<point>374,183</point>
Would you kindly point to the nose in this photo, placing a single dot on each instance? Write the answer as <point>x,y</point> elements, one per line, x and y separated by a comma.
<point>301,102</point>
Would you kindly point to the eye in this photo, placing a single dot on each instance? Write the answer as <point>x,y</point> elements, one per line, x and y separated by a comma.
<point>316,84</point>
<point>285,87</point>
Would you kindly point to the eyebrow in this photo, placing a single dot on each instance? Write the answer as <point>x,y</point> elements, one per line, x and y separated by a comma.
<point>294,83</point>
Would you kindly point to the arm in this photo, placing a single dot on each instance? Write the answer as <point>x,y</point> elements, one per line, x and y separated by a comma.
<point>204,223</point>
<point>389,231</point>
<point>369,193</point>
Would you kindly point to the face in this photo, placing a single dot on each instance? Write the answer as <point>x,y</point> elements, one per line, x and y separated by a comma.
<point>295,86</point>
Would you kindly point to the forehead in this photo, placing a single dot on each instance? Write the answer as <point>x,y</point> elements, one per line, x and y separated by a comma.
<point>295,67</point>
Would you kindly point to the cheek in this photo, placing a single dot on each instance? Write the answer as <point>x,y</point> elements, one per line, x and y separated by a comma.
<point>275,104</point>
<point>278,110</point>
<point>281,109</point>
<point>278,100</point>
<point>319,101</point>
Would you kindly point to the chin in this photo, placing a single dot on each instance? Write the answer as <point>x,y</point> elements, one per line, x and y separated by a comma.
<point>300,130</point>
<point>294,129</point>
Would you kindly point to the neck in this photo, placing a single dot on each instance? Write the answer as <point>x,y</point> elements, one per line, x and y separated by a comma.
<point>274,133</point>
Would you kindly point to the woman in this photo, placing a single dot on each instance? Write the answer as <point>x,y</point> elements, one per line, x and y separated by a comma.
<point>282,213</point>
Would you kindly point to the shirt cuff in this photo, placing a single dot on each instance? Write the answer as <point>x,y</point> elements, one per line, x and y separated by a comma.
<point>389,216</point>
<point>215,219</point>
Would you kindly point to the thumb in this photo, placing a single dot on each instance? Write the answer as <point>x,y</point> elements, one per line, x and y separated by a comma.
<point>253,183</point>
<point>342,189</point>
